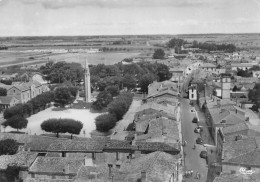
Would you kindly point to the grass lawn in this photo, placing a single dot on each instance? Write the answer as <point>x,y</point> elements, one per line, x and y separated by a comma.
<point>83,115</point>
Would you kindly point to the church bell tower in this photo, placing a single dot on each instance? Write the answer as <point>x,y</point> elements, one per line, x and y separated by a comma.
<point>87,83</point>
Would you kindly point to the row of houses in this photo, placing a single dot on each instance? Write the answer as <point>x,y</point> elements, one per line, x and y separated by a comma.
<point>235,130</point>
<point>22,92</point>
<point>149,152</point>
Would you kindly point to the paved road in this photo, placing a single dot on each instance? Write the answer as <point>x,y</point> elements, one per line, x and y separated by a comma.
<point>192,158</point>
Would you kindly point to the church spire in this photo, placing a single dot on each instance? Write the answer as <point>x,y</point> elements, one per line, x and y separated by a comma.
<point>87,82</point>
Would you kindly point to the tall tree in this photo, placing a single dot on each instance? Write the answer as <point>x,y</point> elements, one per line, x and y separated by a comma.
<point>63,97</point>
<point>105,122</point>
<point>8,147</point>
<point>16,122</point>
<point>158,54</point>
<point>103,99</point>
<point>62,126</point>
<point>163,72</point>
<point>3,91</point>
<point>145,81</point>
<point>129,81</point>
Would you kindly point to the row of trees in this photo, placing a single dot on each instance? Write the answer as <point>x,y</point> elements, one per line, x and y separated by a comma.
<point>32,106</point>
<point>62,71</point>
<point>15,116</point>
<point>177,43</point>
<point>128,76</point>
<point>116,110</point>
<point>62,126</point>
<point>254,96</point>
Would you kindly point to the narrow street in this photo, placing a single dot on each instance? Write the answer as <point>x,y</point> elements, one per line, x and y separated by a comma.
<point>119,131</point>
<point>192,156</point>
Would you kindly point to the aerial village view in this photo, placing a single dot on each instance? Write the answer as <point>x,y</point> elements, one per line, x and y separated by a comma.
<point>129,91</point>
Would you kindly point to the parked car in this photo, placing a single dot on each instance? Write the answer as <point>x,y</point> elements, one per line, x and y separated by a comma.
<point>195,120</point>
<point>198,129</point>
<point>203,154</point>
<point>199,141</point>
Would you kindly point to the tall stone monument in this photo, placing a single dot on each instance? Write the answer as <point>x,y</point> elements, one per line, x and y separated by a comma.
<point>87,83</point>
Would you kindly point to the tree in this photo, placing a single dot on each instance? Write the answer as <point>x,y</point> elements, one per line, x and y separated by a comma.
<point>244,73</point>
<point>129,82</point>
<point>145,81</point>
<point>175,43</point>
<point>3,91</point>
<point>113,90</point>
<point>7,82</point>
<point>103,99</point>
<point>105,122</point>
<point>63,97</point>
<point>120,105</point>
<point>74,91</point>
<point>62,126</point>
<point>255,108</point>
<point>62,71</point>
<point>163,72</point>
<point>16,122</point>
<point>254,95</point>
<point>8,147</point>
<point>16,110</point>
<point>52,125</point>
<point>158,54</point>
<point>71,126</point>
<point>235,89</point>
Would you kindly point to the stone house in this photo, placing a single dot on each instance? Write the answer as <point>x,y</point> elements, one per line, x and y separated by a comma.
<point>8,101</point>
<point>22,93</point>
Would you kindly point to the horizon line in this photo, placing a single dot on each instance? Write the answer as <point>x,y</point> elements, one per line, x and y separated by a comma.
<point>126,35</point>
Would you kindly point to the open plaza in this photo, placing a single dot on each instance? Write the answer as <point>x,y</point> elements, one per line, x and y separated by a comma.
<point>83,115</point>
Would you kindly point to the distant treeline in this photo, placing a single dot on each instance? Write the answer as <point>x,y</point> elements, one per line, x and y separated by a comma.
<point>177,43</point>
<point>3,47</point>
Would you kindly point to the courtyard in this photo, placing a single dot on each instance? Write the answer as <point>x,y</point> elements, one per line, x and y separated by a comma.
<point>83,115</point>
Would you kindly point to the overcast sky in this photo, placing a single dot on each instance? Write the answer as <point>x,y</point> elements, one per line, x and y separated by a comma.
<point>113,17</point>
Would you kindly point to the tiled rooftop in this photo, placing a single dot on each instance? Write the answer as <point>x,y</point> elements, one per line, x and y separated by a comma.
<point>159,166</point>
<point>237,151</point>
<point>21,159</point>
<point>56,165</point>
<point>87,144</point>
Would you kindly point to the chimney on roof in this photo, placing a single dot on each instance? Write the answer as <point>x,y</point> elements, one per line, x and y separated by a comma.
<point>238,137</point>
<point>143,176</point>
<point>29,149</point>
<point>110,170</point>
<point>93,156</point>
<point>66,169</point>
<point>88,161</point>
<point>21,148</point>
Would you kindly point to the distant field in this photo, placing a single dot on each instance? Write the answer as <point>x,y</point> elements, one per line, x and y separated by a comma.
<point>11,58</point>
<point>98,58</point>
<point>240,40</point>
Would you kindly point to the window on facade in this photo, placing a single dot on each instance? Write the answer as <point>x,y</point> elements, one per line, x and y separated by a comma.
<point>192,95</point>
<point>53,177</point>
<point>33,175</point>
<point>14,91</point>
